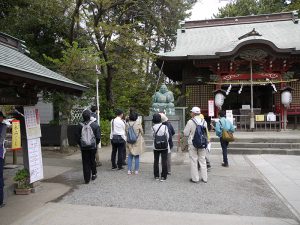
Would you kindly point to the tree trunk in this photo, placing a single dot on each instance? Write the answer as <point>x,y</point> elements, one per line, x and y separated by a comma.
<point>108,87</point>
<point>64,143</point>
<point>75,19</point>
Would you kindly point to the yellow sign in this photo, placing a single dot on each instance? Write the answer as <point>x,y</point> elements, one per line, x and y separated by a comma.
<point>16,135</point>
<point>259,118</point>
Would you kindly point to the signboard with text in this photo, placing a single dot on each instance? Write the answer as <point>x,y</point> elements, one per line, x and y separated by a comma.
<point>211,108</point>
<point>35,160</point>
<point>15,135</point>
<point>229,115</point>
<point>32,122</point>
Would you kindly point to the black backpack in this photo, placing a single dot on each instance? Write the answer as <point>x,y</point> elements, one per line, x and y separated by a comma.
<point>200,136</point>
<point>160,142</point>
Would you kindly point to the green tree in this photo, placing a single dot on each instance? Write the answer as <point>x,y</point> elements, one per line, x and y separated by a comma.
<point>77,64</point>
<point>251,7</point>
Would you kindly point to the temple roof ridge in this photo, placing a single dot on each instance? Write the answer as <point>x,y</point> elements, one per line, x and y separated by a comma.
<point>250,19</point>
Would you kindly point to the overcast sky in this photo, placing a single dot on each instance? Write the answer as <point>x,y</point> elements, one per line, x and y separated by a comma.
<point>204,9</point>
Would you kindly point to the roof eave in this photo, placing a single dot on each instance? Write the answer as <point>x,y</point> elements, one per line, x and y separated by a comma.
<point>73,88</point>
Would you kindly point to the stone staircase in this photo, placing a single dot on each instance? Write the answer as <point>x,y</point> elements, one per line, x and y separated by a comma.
<point>262,144</point>
<point>284,143</point>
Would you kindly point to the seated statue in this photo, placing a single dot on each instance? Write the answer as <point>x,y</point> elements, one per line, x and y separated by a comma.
<point>163,100</point>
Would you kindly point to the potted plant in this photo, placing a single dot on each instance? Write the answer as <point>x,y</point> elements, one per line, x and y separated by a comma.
<point>23,186</point>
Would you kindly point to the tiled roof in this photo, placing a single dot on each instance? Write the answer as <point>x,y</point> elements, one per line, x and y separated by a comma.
<point>209,41</point>
<point>13,60</point>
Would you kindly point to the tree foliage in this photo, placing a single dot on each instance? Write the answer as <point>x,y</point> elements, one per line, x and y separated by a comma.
<point>120,36</point>
<point>251,7</point>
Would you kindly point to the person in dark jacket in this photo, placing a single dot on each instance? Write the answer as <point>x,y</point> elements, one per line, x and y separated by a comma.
<point>3,128</point>
<point>165,121</point>
<point>94,113</point>
<point>88,153</point>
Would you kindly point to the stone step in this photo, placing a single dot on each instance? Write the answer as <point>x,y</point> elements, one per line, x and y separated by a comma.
<point>261,140</point>
<point>250,151</point>
<point>260,145</point>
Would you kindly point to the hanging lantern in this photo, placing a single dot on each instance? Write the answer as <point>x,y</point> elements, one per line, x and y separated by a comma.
<point>219,98</point>
<point>286,96</point>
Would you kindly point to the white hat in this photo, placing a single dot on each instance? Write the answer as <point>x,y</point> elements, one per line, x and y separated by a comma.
<point>164,118</point>
<point>196,110</point>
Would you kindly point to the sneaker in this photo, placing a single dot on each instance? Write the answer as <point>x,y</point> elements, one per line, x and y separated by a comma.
<point>203,181</point>
<point>156,178</point>
<point>94,177</point>
<point>225,165</point>
<point>136,172</point>
<point>163,179</point>
<point>121,168</point>
<point>195,182</point>
<point>114,168</point>
<point>129,172</point>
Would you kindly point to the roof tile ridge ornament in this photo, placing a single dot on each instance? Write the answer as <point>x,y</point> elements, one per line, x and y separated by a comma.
<point>249,34</point>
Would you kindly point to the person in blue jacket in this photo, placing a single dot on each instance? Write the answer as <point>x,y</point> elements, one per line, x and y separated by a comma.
<point>223,123</point>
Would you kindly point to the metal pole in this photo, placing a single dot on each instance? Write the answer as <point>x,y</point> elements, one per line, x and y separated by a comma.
<point>160,72</point>
<point>251,84</point>
<point>97,100</point>
<point>285,118</point>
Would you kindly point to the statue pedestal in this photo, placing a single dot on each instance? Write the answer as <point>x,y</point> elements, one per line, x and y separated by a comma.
<point>174,120</point>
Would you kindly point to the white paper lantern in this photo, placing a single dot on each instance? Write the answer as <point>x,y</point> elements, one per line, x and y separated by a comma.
<point>286,98</point>
<point>219,100</point>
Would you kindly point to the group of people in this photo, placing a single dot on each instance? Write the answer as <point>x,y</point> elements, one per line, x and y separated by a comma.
<point>127,141</point>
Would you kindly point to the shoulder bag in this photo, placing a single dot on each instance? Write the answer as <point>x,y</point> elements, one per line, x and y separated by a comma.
<point>226,135</point>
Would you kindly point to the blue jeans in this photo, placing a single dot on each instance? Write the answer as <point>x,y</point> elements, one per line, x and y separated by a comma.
<point>136,162</point>
<point>224,145</point>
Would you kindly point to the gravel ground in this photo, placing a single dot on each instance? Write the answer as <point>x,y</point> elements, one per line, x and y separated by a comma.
<point>237,190</point>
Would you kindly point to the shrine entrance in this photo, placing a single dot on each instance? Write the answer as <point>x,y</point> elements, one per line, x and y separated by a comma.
<point>263,99</point>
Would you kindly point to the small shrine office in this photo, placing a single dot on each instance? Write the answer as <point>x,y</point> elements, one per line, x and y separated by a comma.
<point>223,54</point>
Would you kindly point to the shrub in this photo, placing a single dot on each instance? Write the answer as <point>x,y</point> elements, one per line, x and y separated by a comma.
<point>22,178</point>
<point>105,132</point>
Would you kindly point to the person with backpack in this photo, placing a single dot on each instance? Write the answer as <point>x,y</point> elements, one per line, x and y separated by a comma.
<point>118,140</point>
<point>160,147</point>
<point>88,137</point>
<point>228,126</point>
<point>196,131</point>
<point>135,142</point>
<point>94,115</point>
<point>165,121</point>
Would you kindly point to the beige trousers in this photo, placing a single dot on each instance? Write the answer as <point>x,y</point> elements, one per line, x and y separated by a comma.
<point>195,156</point>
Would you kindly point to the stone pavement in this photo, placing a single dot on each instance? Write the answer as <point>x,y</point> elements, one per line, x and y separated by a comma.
<point>283,175</point>
<point>240,194</point>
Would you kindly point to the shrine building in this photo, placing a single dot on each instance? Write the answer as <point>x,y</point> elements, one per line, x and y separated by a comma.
<point>225,53</point>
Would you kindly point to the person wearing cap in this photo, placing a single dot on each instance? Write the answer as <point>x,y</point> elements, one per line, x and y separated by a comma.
<point>207,150</point>
<point>196,155</point>
<point>3,128</point>
<point>88,153</point>
<point>118,140</point>
<point>165,121</point>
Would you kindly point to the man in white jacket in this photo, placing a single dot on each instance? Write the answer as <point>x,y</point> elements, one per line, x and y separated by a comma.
<point>194,153</point>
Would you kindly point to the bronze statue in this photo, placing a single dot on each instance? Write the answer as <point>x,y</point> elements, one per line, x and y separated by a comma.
<point>163,101</point>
